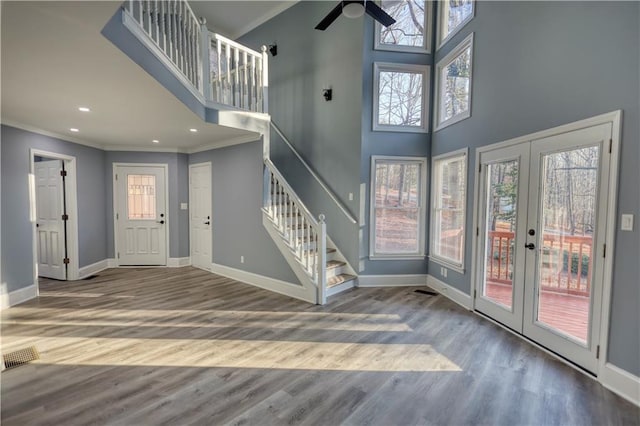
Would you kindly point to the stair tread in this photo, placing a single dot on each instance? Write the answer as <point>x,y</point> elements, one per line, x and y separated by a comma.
<point>339,279</point>
<point>335,264</point>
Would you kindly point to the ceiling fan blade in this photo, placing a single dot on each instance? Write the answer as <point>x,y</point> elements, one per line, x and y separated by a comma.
<point>378,14</point>
<point>332,16</point>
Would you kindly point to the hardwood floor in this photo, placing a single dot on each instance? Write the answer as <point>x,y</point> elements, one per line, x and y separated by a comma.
<point>183,346</point>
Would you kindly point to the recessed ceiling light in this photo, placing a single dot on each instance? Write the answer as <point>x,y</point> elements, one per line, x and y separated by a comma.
<point>193,130</point>
<point>83,109</point>
<point>155,141</point>
<point>73,129</point>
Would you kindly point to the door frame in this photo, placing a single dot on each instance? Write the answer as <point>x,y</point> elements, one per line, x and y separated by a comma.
<point>192,166</point>
<point>167,219</point>
<point>71,205</point>
<point>615,118</point>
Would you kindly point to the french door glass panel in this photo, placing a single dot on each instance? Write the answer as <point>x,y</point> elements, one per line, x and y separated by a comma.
<point>568,195</point>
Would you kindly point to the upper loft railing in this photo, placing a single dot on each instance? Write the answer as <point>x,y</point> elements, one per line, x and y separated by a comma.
<point>214,68</point>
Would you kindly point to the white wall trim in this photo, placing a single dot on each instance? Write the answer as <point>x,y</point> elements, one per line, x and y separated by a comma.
<point>62,137</point>
<point>620,382</point>
<point>282,287</point>
<point>178,262</point>
<point>17,296</point>
<point>94,268</point>
<point>112,263</point>
<point>392,280</point>
<point>450,292</point>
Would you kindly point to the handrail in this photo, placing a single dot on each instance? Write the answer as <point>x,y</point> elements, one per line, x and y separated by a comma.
<point>315,176</point>
<point>234,44</point>
<point>274,170</point>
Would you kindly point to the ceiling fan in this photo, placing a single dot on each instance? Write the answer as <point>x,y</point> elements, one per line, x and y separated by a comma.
<point>355,9</point>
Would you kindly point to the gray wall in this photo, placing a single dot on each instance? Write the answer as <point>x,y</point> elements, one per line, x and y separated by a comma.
<point>236,174</point>
<point>178,193</point>
<point>543,64</point>
<point>327,134</point>
<point>17,249</point>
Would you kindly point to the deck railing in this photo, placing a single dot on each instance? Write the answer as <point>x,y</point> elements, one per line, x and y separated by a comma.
<point>564,260</point>
<point>305,236</point>
<point>215,68</point>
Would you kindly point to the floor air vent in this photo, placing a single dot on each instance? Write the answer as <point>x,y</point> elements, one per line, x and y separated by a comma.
<point>427,292</point>
<point>19,357</point>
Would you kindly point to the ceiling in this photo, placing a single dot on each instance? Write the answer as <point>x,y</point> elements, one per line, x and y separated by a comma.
<point>54,60</point>
<point>236,18</point>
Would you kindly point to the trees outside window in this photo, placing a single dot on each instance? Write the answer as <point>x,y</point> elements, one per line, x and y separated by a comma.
<point>411,32</point>
<point>400,97</point>
<point>452,16</point>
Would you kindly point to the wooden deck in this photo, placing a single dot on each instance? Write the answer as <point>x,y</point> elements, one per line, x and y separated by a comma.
<point>564,312</point>
<point>183,346</point>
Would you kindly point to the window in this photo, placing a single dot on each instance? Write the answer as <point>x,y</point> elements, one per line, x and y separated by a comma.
<point>448,204</point>
<point>398,192</point>
<point>452,16</point>
<point>141,197</point>
<point>453,85</point>
<point>400,94</point>
<point>412,30</point>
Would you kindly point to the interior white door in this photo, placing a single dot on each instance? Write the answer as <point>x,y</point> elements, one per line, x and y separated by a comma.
<point>50,230</point>
<point>141,231</point>
<point>542,215</point>
<point>200,217</point>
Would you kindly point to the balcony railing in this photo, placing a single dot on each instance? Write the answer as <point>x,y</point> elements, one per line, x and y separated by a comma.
<point>232,74</point>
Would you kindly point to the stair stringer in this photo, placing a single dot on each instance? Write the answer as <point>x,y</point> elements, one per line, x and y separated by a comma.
<point>308,290</point>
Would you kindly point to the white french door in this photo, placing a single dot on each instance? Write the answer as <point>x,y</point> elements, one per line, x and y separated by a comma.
<point>200,215</point>
<point>140,214</point>
<point>50,226</point>
<point>542,221</point>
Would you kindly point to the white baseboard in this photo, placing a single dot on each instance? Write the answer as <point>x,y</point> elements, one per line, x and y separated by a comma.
<point>620,382</point>
<point>177,262</point>
<point>392,280</point>
<point>112,263</point>
<point>450,292</point>
<point>94,268</point>
<point>288,289</point>
<point>17,296</point>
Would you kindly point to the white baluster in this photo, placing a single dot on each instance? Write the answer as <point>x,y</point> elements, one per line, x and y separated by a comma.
<point>322,261</point>
<point>227,92</point>
<point>147,6</point>
<point>163,22</point>
<point>264,106</point>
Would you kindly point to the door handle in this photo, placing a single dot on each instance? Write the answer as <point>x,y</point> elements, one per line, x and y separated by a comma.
<point>207,223</point>
<point>161,222</point>
<point>530,246</point>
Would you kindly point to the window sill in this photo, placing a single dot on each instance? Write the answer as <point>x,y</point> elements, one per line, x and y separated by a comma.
<point>454,267</point>
<point>398,257</point>
<point>453,120</point>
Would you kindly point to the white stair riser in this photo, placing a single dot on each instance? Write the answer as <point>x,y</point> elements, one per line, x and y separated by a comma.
<point>334,272</point>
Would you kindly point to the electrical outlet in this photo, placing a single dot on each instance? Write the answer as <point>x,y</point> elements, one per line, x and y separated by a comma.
<point>241,259</point>
<point>626,222</point>
<point>443,272</point>
<point>184,206</point>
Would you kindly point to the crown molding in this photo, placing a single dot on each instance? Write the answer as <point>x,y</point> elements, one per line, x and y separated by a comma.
<point>65,138</point>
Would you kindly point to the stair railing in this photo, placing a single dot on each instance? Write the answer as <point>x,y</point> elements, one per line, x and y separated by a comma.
<point>305,236</point>
<point>323,185</point>
<point>213,67</point>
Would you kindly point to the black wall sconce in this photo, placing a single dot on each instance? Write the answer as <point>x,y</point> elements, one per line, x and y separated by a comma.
<point>328,94</point>
<point>273,49</point>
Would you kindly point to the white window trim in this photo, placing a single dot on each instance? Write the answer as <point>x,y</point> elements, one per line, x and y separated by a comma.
<point>445,261</point>
<point>426,48</point>
<point>441,42</point>
<point>443,63</point>
<point>422,161</point>
<point>425,70</point>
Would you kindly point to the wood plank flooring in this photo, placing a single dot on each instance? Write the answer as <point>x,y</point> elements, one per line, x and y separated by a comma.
<point>183,346</point>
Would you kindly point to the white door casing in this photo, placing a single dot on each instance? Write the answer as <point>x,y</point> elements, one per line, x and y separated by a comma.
<point>200,216</point>
<point>523,316</point>
<point>50,227</point>
<point>140,214</point>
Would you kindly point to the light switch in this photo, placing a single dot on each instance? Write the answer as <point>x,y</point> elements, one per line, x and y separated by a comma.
<point>351,196</point>
<point>626,224</point>
<point>184,206</point>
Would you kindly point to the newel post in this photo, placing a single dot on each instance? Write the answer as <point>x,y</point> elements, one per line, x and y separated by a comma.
<point>322,261</point>
<point>203,61</point>
<point>265,80</point>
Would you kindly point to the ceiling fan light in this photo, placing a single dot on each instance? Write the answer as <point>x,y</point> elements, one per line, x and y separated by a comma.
<point>353,10</point>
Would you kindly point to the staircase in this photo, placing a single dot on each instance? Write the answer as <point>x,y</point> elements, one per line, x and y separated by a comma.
<point>223,75</point>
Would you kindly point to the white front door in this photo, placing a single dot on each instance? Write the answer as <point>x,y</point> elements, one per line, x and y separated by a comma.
<point>50,229</point>
<point>141,217</point>
<point>200,216</point>
<point>542,216</point>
